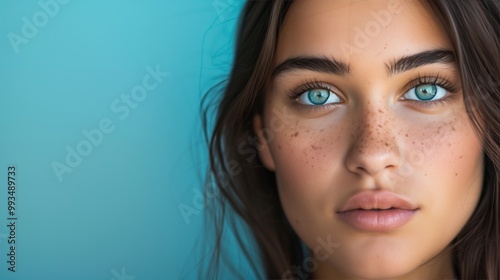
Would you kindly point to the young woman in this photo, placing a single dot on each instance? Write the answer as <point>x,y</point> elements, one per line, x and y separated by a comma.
<point>360,139</point>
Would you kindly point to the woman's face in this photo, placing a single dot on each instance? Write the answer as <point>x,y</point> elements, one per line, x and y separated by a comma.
<point>377,164</point>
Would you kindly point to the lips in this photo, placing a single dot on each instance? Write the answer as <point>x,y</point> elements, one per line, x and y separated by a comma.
<point>377,211</point>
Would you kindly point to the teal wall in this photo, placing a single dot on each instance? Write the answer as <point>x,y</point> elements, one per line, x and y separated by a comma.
<point>99,114</point>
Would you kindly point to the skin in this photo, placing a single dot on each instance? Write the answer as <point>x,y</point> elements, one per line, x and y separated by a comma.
<point>373,140</point>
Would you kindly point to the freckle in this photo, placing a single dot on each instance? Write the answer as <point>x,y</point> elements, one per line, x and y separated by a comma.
<point>425,174</point>
<point>279,147</point>
<point>295,134</point>
<point>406,135</point>
<point>380,111</point>
<point>413,142</point>
<point>307,131</point>
<point>321,130</point>
<point>456,174</point>
<point>461,157</point>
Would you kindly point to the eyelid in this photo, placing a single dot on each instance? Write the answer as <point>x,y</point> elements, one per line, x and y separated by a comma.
<point>439,94</point>
<point>305,97</point>
<point>446,83</point>
<point>312,84</point>
<point>451,88</point>
<point>308,85</point>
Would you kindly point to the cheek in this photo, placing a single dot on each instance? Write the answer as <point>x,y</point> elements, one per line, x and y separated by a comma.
<point>306,159</point>
<point>308,167</point>
<point>445,150</point>
<point>448,151</point>
<point>441,164</point>
<point>446,176</point>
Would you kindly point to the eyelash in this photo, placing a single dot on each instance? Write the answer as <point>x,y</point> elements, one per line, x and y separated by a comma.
<point>447,84</point>
<point>450,87</point>
<point>306,86</point>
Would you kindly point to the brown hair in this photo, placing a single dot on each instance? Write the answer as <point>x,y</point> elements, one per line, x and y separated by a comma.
<point>249,189</point>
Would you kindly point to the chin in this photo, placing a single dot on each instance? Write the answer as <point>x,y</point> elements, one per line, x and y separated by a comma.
<point>376,273</point>
<point>377,266</point>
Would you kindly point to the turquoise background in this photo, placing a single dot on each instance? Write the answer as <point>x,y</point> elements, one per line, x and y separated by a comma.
<point>116,214</point>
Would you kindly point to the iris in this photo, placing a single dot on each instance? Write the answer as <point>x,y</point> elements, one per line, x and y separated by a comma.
<point>426,92</point>
<point>318,96</point>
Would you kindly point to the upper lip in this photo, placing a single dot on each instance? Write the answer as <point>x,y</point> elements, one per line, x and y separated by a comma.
<point>370,200</point>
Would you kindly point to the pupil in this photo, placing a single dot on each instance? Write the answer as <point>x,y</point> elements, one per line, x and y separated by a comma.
<point>318,96</point>
<point>426,92</point>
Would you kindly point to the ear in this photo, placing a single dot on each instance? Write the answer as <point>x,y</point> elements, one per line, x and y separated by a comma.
<point>263,146</point>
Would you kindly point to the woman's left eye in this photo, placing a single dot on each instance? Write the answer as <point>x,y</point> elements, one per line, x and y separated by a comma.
<point>425,93</point>
<point>317,97</point>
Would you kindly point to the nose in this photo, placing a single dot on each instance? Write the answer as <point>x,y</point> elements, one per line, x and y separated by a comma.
<point>374,146</point>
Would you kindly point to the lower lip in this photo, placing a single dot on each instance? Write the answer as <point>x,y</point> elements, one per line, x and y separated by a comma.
<point>377,220</point>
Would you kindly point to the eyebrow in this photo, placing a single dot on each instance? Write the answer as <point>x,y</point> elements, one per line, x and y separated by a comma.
<point>313,63</point>
<point>340,68</point>
<point>406,63</point>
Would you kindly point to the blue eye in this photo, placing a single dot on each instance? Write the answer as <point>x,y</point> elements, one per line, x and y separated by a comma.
<point>318,96</point>
<point>425,92</point>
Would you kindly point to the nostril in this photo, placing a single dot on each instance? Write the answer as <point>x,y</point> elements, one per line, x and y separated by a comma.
<point>362,169</point>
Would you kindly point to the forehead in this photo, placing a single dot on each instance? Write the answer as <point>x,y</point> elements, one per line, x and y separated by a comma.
<point>356,30</point>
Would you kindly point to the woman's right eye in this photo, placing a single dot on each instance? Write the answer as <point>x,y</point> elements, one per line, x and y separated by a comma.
<point>318,97</point>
